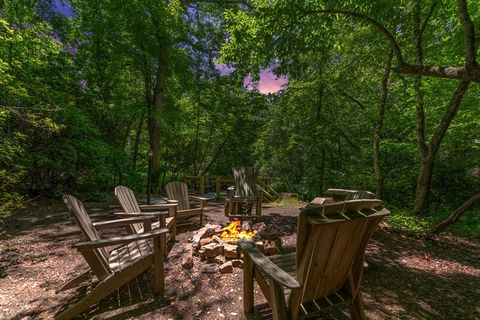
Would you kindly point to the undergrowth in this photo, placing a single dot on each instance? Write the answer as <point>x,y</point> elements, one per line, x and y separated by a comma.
<point>406,221</point>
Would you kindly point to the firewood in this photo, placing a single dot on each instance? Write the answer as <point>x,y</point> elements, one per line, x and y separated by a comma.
<point>218,240</point>
<point>198,236</point>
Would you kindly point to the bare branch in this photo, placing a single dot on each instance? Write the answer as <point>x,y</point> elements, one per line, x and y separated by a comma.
<point>459,73</point>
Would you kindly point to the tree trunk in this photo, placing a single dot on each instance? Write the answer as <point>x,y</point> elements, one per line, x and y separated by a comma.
<point>378,128</point>
<point>136,142</point>
<point>427,155</point>
<point>424,181</point>
<point>321,139</point>
<point>157,100</point>
<point>321,173</point>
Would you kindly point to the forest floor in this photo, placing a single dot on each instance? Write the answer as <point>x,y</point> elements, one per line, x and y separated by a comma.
<point>407,277</point>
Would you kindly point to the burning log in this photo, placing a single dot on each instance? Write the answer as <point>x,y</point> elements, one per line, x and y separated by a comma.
<point>231,233</point>
<point>204,233</point>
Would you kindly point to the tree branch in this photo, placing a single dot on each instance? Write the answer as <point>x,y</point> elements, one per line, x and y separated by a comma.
<point>447,118</point>
<point>469,29</point>
<point>429,15</point>
<point>417,84</point>
<point>242,2</point>
<point>368,20</point>
<point>469,72</point>
<point>351,98</point>
<point>458,73</point>
<point>457,214</point>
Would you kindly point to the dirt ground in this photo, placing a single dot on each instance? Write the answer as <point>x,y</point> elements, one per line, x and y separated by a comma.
<point>407,277</point>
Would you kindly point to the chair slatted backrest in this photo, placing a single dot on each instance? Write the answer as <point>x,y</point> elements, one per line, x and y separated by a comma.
<point>245,181</point>
<point>330,240</point>
<point>129,203</point>
<point>360,194</point>
<point>98,261</point>
<point>177,190</point>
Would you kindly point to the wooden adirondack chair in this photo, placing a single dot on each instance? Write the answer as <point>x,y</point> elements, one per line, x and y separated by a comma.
<point>133,254</point>
<point>131,208</point>
<point>177,192</point>
<point>244,195</point>
<point>326,269</point>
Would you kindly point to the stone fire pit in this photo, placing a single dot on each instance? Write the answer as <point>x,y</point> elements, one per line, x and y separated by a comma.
<point>217,245</point>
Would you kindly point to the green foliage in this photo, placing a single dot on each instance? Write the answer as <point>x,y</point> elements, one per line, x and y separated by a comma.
<point>77,95</point>
<point>406,221</point>
<point>11,171</point>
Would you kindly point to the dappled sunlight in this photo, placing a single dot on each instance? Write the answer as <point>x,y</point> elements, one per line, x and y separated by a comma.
<point>426,262</point>
<point>413,278</point>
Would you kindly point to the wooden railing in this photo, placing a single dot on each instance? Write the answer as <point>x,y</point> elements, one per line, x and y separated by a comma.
<point>268,193</point>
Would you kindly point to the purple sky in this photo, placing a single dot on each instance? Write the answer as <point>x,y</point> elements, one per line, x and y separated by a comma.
<point>269,83</point>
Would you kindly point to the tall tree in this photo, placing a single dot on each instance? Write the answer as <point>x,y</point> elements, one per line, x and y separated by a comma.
<point>280,30</point>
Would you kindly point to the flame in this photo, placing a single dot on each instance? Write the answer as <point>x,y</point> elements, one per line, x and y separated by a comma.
<point>231,233</point>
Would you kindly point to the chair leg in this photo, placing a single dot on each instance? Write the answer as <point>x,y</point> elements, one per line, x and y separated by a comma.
<point>248,285</point>
<point>279,310</point>
<point>103,289</point>
<point>159,280</point>
<point>356,308</point>
<point>76,281</point>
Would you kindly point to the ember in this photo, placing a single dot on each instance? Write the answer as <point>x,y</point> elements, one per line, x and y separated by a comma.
<point>232,232</point>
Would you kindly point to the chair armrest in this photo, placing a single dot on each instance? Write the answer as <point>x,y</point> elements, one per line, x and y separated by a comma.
<point>165,206</point>
<point>171,201</point>
<point>263,263</point>
<point>90,245</point>
<point>122,222</point>
<point>145,215</point>
<point>200,198</point>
